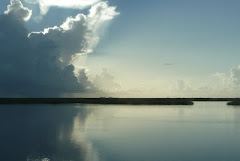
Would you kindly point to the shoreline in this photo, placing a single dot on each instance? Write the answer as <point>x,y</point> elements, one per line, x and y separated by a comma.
<point>118,101</point>
<point>113,101</point>
<point>235,102</point>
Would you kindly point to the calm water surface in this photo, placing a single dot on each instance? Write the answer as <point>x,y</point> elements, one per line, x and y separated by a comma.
<point>207,131</point>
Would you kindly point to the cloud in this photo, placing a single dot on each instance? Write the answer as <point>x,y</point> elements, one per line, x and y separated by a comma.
<point>182,85</point>
<point>17,9</point>
<point>74,4</point>
<point>77,35</point>
<point>106,82</point>
<point>235,76</point>
<point>230,80</point>
<point>40,64</point>
<point>168,64</point>
<point>219,85</point>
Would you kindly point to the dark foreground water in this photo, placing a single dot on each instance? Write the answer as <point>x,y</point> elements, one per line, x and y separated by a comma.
<point>207,131</point>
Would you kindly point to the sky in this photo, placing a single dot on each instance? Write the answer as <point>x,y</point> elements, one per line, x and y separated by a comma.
<point>120,48</point>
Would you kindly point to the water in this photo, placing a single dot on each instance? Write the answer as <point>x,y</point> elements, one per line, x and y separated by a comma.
<point>207,131</point>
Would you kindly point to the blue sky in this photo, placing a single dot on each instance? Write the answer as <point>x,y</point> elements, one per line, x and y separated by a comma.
<point>159,42</point>
<point>172,40</point>
<point>184,33</point>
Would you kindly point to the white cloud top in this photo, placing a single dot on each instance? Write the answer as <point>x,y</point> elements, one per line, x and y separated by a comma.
<point>75,4</point>
<point>78,34</point>
<point>17,9</point>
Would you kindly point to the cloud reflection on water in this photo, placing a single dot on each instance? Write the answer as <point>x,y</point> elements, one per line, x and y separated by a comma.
<point>206,131</point>
<point>36,133</point>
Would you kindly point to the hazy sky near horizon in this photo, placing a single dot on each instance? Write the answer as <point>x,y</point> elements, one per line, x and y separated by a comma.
<point>157,48</point>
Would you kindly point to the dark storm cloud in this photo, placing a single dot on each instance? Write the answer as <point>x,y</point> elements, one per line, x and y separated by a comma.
<point>28,69</point>
<point>168,64</point>
<point>39,64</point>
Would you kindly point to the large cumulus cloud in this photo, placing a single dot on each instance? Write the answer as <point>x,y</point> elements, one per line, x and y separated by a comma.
<point>39,64</point>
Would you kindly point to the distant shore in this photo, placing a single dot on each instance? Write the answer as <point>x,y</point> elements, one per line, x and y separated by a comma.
<point>235,102</point>
<point>117,101</point>
<point>102,100</point>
